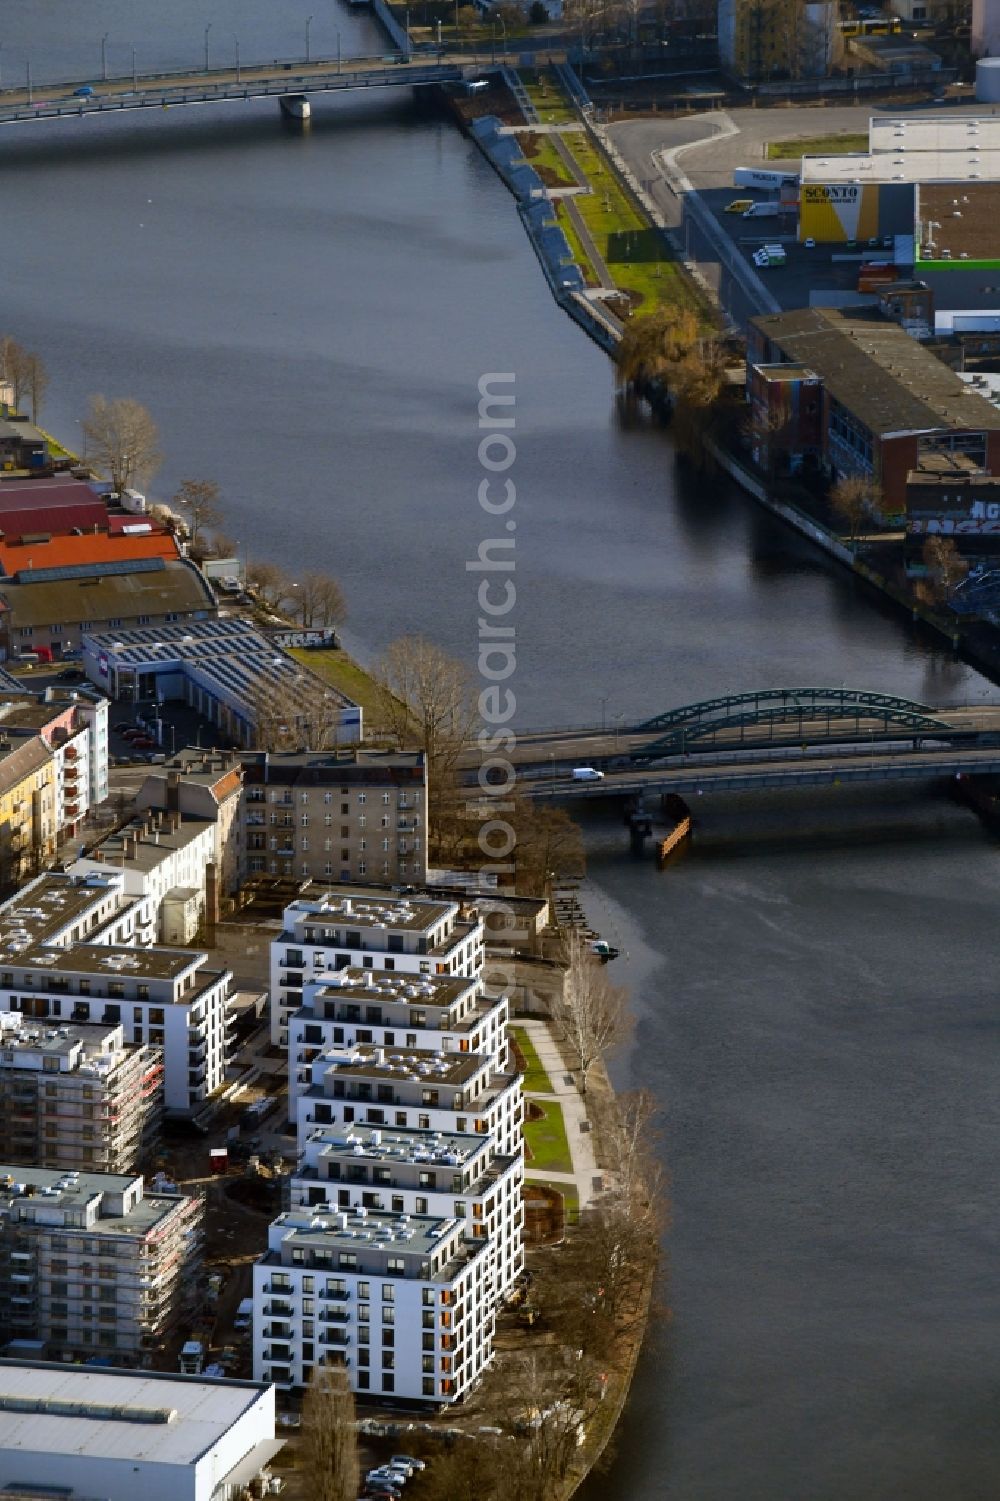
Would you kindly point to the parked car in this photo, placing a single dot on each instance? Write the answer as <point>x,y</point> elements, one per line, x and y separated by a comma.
<point>84,92</point>
<point>70,675</point>
<point>408,1461</point>
<point>143,742</point>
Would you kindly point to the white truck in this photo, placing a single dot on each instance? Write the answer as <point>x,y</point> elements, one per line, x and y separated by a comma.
<point>769,209</point>
<point>762,177</point>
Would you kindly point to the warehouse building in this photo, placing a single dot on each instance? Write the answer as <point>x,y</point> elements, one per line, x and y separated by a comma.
<point>77,1432</point>
<point>228,671</point>
<point>887,403</point>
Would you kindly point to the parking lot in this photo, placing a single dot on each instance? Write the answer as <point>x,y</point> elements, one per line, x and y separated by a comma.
<point>709,147</point>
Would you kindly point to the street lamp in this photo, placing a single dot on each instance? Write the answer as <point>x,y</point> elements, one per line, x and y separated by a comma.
<point>207,30</point>
<point>27,69</point>
<point>1,65</point>
<point>104,55</point>
<point>309,21</point>
<point>338,50</point>
<point>237,41</point>
<point>503,33</point>
<point>604,711</point>
<point>135,86</point>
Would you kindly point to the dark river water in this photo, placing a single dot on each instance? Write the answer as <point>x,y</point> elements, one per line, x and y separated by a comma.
<point>307,314</point>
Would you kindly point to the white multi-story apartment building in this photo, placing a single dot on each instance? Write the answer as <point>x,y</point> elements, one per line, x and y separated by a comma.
<point>76,1097</point>
<point>404,1171</point>
<point>416,1011</point>
<point>404,1302</point>
<point>90,1263</point>
<point>75,949</point>
<point>413,1088</point>
<point>333,928</point>
<point>165,998</point>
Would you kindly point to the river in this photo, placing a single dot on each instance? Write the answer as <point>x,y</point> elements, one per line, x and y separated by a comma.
<point>307,314</point>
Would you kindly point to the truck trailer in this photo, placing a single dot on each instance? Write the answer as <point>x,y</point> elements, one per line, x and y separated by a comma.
<point>763,177</point>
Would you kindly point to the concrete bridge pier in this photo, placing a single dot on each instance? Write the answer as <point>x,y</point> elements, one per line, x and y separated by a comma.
<point>295,106</point>
<point>640,827</point>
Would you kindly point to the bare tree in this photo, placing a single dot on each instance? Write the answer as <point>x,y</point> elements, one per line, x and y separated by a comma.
<point>36,381</point>
<point>198,502</point>
<point>270,583</point>
<point>329,1441</point>
<point>122,440</point>
<point>853,498</point>
<point>593,1018</point>
<point>317,599</point>
<point>946,567</point>
<point>426,700</point>
<point>14,368</point>
<point>549,846</point>
<point>222,546</point>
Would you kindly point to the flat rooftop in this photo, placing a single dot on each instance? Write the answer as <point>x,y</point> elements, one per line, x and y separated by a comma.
<point>906,166</point>
<point>116,1415</point>
<point>409,1065</point>
<point>115,961</point>
<point>60,1188</point>
<point>88,1040</point>
<point>41,911</point>
<point>935,133</point>
<point>419,1234</point>
<point>358,907</point>
<point>355,984</point>
<point>961,221</point>
<point>436,1148</point>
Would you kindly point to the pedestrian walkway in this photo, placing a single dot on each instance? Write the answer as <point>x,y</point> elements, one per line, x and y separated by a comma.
<point>585,1175</point>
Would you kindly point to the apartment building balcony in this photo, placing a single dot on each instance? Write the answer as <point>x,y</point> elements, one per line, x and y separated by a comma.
<point>335,1339</point>
<point>335,1297</point>
<point>279,1308</point>
<point>277,1331</point>
<point>334,1316</point>
<point>278,1352</point>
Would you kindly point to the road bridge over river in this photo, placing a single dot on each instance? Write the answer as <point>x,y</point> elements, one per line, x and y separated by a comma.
<point>285,82</point>
<point>765,739</point>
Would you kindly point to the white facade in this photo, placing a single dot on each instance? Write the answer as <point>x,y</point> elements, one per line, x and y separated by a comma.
<point>420,1173</point>
<point>132,1434</point>
<point>157,853</point>
<point>368,929</point>
<point>440,1013</point>
<point>404,1303</point>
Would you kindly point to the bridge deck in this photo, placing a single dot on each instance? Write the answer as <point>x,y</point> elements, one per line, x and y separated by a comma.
<point>217,86</point>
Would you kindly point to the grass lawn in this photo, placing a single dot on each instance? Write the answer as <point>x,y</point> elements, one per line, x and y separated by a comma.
<point>635,252</point>
<point>831,145</point>
<point>536,1080</point>
<point>550,102</point>
<point>546,1140</point>
<point>543,156</point>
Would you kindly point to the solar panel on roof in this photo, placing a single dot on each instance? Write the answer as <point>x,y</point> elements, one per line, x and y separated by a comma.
<point>89,570</point>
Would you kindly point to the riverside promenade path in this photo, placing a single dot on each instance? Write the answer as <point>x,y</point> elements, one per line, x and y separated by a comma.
<point>586,1176</point>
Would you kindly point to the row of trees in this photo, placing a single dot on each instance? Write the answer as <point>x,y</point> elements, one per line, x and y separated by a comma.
<point>591,1298</point>
<point>24,372</point>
